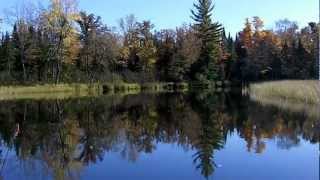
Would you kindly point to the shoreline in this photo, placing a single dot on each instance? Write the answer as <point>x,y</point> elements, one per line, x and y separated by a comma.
<point>294,95</point>
<point>78,90</point>
<point>292,91</point>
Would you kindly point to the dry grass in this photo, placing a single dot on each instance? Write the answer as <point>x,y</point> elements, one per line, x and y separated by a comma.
<point>65,91</point>
<point>306,92</point>
<point>49,91</point>
<point>295,96</point>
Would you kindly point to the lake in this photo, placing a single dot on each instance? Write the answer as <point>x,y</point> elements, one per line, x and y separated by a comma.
<point>165,136</point>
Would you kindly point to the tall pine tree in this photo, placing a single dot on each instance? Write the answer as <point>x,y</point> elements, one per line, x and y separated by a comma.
<point>209,32</point>
<point>7,54</point>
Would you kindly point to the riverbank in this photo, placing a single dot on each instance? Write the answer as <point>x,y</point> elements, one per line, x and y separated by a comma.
<point>48,91</point>
<point>307,92</point>
<point>295,96</point>
<point>77,90</point>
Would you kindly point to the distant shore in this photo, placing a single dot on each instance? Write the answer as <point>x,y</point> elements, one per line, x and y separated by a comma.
<point>295,91</point>
<point>293,95</point>
<point>77,90</point>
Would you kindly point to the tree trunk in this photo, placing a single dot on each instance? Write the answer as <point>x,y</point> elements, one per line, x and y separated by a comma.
<point>58,70</point>
<point>8,68</point>
<point>39,73</point>
<point>23,64</point>
<point>59,60</point>
<point>24,72</point>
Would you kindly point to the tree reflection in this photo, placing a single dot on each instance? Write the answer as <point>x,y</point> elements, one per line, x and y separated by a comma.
<point>67,136</point>
<point>211,136</point>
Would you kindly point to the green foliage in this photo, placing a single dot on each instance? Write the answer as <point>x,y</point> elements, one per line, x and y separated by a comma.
<point>177,69</point>
<point>61,44</point>
<point>100,49</point>
<point>177,51</point>
<point>138,51</point>
<point>206,68</point>
<point>7,54</point>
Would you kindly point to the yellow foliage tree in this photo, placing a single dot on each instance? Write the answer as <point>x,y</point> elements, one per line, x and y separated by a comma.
<point>59,24</point>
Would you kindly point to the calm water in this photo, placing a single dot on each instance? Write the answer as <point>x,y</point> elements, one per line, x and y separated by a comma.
<point>157,137</point>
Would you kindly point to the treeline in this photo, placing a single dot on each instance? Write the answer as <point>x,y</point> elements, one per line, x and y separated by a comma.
<point>284,53</point>
<point>61,44</point>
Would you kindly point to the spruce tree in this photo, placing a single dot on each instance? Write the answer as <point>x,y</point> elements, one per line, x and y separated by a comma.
<point>302,62</point>
<point>209,32</point>
<point>7,55</point>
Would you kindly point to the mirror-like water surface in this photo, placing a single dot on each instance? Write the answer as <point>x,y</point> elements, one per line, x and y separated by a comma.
<point>157,136</point>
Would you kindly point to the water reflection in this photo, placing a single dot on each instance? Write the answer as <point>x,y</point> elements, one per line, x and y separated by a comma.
<point>59,139</point>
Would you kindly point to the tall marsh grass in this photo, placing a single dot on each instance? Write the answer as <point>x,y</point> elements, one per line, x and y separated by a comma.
<point>65,91</point>
<point>307,92</point>
<point>295,96</point>
<point>75,90</point>
<point>49,91</point>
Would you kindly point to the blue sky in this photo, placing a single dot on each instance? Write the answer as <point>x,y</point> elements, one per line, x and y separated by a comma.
<point>172,13</point>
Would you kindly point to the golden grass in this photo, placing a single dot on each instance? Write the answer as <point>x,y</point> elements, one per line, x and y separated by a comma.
<point>307,92</point>
<point>49,91</point>
<point>295,96</point>
<point>65,91</point>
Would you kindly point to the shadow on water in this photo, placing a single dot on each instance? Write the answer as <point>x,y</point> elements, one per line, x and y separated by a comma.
<point>63,137</point>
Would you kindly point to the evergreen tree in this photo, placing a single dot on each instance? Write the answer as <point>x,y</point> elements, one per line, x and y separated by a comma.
<point>276,66</point>
<point>209,32</point>
<point>231,58</point>
<point>7,54</point>
<point>303,63</point>
<point>286,54</point>
<point>34,54</point>
<point>314,49</point>
<point>22,42</point>
<point>177,69</point>
<point>246,36</point>
<point>43,48</point>
<point>166,49</point>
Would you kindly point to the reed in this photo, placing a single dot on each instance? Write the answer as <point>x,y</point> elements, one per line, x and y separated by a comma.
<point>49,91</point>
<point>295,96</point>
<point>64,91</point>
<point>306,92</point>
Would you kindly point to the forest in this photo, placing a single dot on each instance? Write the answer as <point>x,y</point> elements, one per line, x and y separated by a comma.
<point>61,43</point>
